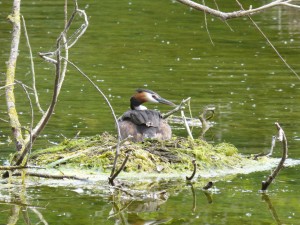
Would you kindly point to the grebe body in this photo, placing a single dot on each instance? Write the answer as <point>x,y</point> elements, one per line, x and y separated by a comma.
<point>140,123</point>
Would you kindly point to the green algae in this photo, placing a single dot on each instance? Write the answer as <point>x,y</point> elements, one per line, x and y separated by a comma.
<point>150,156</point>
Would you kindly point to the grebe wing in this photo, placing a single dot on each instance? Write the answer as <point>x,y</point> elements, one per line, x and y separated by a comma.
<point>150,118</point>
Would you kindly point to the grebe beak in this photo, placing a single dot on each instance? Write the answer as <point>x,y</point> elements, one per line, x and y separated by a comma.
<point>164,101</point>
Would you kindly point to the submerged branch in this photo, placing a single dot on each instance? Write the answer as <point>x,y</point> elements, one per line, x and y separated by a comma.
<point>281,137</point>
<point>20,167</point>
<point>56,177</point>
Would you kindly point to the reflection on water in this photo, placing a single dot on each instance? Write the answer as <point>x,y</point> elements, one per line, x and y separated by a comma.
<point>163,46</point>
<point>233,200</point>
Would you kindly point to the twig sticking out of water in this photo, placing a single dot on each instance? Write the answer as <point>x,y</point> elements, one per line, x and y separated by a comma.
<point>272,145</point>
<point>181,107</point>
<point>271,149</point>
<point>208,185</point>
<point>187,127</point>
<point>194,171</point>
<point>204,118</point>
<point>113,176</point>
<point>282,138</point>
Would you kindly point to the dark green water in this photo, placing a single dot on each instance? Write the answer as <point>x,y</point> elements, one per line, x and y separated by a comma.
<point>164,46</point>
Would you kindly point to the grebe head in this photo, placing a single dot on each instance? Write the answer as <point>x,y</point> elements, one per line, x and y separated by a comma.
<point>144,95</point>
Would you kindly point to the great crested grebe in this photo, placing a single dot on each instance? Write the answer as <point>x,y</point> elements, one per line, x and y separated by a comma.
<point>140,122</point>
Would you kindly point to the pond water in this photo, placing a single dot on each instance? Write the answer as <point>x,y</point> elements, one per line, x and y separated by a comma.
<point>165,47</point>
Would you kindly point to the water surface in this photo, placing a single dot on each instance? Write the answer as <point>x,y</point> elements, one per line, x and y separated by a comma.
<point>165,47</point>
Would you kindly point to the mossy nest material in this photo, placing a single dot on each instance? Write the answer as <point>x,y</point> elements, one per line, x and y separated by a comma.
<point>98,152</point>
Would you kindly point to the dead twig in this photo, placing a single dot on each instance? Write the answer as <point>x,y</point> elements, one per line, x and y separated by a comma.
<point>268,40</point>
<point>8,85</point>
<point>206,26</point>
<point>15,124</point>
<point>28,146</point>
<point>32,67</point>
<point>39,215</point>
<point>181,107</point>
<point>60,71</point>
<point>272,145</point>
<point>194,171</point>
<point>240,13</point>
<point>271,149</point>
<point>282,138</point>
<point>177,108</point>
<point>187,127</point>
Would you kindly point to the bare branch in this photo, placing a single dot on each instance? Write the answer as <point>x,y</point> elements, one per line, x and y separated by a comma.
<point>187,127</point>
<point>32,68</point>
<point>225,20</point>
<point>235,14</point>
<point>272,145</point>
<point>10,76</point>
<point>291,5</point>
<point>177,108</point>
<point>40,216</point>
<point>60,73</point>
<point>8,85</point>
<point>44,120</point>
<point>206,26</point>
<point>270,43</point>
<point>28,145</point>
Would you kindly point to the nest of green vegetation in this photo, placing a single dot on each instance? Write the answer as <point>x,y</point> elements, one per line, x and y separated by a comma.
<point>150,156</point>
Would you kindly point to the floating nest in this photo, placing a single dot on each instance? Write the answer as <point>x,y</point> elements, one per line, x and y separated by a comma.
<point>151,156</point>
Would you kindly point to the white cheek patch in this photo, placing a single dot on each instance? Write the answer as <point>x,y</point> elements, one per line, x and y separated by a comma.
<point>150,98</point>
